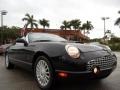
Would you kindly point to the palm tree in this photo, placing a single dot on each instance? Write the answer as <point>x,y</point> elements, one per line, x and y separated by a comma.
<point>83,27</point>
<point>75,24</point>
<point>65,25</point>
<point>30,21</point>
<point>44,23</point>
<point>117,22</point>
<point>87,26</point>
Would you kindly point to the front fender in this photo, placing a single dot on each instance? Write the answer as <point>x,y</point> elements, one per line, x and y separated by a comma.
<point>52,50</point>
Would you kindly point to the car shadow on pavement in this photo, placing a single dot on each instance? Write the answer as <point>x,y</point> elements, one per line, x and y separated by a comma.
<point>78,85</point>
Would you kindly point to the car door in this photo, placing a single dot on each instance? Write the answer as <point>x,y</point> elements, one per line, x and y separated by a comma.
<point>21,54</point>
<point>15,52</point>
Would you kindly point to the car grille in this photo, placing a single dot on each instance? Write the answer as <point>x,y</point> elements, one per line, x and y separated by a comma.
<point>102,62</point>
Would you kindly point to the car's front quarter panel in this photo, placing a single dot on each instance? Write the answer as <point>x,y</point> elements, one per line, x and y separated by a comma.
<point>51,49</point>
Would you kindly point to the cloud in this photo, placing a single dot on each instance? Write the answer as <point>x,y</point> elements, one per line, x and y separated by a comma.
<point>113,3</point>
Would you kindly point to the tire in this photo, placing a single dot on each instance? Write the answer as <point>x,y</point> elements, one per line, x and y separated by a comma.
<point>43,73</point>
<point>8,64</point>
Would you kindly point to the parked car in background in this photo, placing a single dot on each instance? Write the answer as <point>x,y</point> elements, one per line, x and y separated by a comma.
<point>50,56</point>
<point>3,48</point>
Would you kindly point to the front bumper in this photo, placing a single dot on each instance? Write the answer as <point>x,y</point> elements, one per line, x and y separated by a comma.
<point>85,74</point>
<point>105,61</point>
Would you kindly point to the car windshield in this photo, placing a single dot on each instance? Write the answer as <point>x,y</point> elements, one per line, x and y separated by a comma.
<point>44,37</point>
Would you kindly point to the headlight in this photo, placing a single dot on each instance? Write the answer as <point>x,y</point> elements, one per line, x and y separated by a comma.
<point>72,51</point>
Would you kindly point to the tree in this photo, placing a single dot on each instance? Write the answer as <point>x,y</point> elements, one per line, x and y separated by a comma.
<point>75,24</point>
<point>87,26</point>
<point>30,21</point>
<point>65,25</point>
<point>117,22</point>
<point>83,27</point>
<point>44,23</point>
<point>9,34</point>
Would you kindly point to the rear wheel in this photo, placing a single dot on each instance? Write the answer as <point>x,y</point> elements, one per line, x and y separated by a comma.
<point>8,64</point>
<point>43,73</point>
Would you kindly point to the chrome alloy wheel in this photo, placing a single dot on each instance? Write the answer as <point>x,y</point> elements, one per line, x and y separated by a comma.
<point>43,73</point>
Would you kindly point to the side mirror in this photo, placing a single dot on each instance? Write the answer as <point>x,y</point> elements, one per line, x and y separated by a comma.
<point>22,41</point>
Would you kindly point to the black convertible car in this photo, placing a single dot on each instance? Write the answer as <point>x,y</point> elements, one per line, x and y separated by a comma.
<point>51,56</point>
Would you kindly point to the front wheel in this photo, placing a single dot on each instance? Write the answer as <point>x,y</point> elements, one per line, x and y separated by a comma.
<point>43,73</point>
<point>8,64</point>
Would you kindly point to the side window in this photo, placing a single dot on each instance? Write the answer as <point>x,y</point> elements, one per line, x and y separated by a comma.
<point>29,38</point>
<point>18,42</point>
<point>23,38</point>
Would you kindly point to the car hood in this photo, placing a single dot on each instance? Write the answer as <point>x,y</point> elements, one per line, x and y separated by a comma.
<point>82,47</point>
<point>86,47</point>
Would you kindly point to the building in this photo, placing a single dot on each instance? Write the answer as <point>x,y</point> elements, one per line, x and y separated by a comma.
<point>68,34</point>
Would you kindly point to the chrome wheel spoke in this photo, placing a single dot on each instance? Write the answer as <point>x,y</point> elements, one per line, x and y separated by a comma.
<point>42,73</point>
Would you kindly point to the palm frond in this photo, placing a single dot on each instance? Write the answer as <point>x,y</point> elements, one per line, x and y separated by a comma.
<point>25,19</point>
<point>44,22</point>
<point>28,15</point>
<point>34,20</point>
<point>47,24</point>
<point>119,12</point>
<point>32,16</point>
<point>26,25</point>
<point>36,25</point>
<point>117,22</point>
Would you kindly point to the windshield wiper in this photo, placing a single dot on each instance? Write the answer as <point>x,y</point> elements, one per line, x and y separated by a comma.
<point>43,41</point>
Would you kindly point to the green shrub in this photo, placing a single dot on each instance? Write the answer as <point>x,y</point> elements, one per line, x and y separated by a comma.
<point>114,40</point>
<point>115,46</point>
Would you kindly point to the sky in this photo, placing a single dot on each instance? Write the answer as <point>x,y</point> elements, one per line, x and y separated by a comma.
<point>58,10</point>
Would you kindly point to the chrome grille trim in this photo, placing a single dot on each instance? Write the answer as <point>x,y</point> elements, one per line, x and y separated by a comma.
<point>102,62</point>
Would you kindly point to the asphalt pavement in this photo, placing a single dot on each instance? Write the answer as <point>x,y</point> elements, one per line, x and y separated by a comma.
<point>20,79</point>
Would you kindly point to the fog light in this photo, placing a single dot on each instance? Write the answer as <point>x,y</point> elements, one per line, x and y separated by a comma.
<point>63,74</point>
<point>95,70</point>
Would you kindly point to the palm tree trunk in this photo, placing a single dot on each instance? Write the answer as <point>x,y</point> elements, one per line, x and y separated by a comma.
<point>31,28</point>
<point>43,27</point>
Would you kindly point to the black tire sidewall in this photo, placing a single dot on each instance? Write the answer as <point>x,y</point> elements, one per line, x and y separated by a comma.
<point>51,73</point>
<point>6,55</point>
<point>10,65</point>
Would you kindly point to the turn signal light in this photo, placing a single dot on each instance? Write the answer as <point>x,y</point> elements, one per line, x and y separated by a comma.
<point>63,74</point>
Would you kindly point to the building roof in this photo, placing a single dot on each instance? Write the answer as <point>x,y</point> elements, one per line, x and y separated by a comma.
<point>58,32</point>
